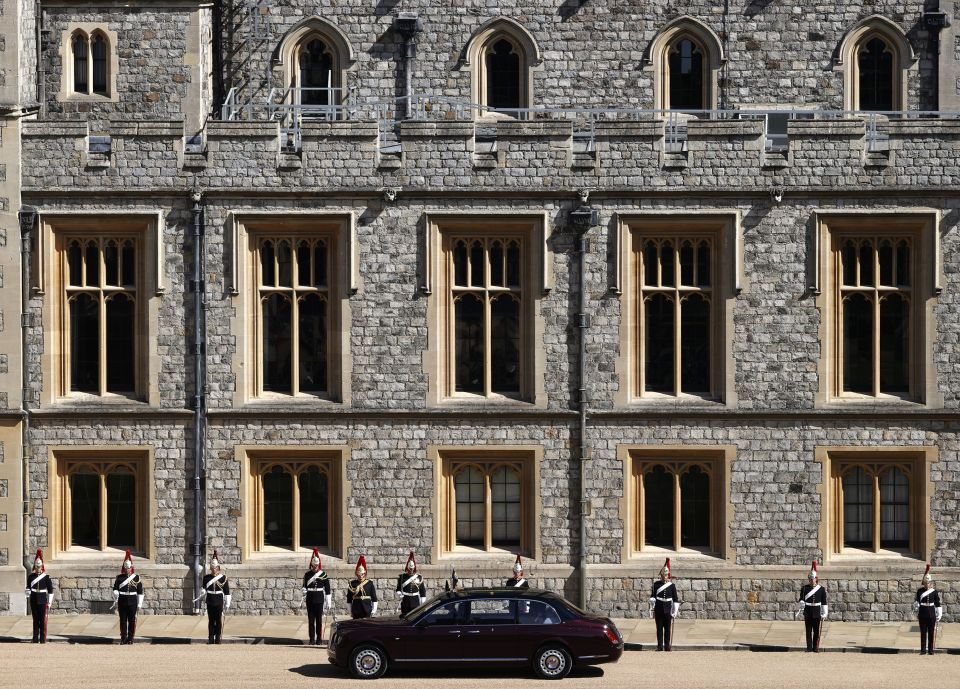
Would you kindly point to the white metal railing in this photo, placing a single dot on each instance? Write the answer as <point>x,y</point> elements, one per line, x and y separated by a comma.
<point>291,108</point>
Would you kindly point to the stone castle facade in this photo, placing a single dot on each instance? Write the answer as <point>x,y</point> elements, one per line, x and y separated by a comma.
<point>408,215</point>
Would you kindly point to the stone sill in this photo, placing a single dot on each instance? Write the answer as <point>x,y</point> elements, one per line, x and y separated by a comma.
<point>683,567</point>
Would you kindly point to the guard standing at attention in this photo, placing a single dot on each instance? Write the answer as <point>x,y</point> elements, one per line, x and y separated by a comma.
<point>517,581</point>
<point>216,588</point>
<point>39,598</point>
<point>316,593</point>
<point>813,606</point>
<point>410,587</point>
<point>929,609</point>
<point>361,593</point>
<point>664,607</point>
<point>128,599</point>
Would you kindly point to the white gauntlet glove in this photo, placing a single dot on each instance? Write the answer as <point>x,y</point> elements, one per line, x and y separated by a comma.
<point>939,613</point>
<point>916,607</point>
<point>304,590</point>
<point>800,607</point>
<point>226,600</point>
<point>139,601</point>
<point>327,600</point>
<point>674,609</point>
<point>400,595</point>
<point>374,610</point>
<point>824,611</point>
<point>50,599</point>
<point>423,599</point>
<point>653,605</point>
<point>26,592</point>
<point>116,595</point>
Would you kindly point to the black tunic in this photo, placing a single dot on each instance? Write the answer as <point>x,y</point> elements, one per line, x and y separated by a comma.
<point>413,589</point>
<point>361,596</point>
<point>129,592</point>
<point>663,601</point>
<point>811,607</point>
<point>929,603</point>
<point>216,591</point>
<point>514,583</point>
<point>318,589</point>
<point>40,586</point>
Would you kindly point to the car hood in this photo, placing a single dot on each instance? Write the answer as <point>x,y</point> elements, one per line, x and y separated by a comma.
<point>369,622</point>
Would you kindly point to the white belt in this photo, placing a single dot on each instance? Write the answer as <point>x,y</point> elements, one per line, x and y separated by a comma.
<point>665,600</point>
<point>214,593</point>
<point>415,593</point>
<point>811,604</point>
<point>928,605</point>
<point>128,593</point>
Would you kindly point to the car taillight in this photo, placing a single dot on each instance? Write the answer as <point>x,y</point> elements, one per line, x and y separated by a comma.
<point>611,635</point>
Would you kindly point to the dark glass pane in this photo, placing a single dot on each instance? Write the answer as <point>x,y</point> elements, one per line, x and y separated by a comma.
<point>314,509</point>
<point>75,264</point>
<point>686,76</point>
<point>80,84</point>
<point>695,345</point>
<point>894,510</point>
<point>513,265</point>
<point>505,504</point>
<point>857,344</point>
<point>505,345</point>
<point>267,276</point>
<point>285,264</point>
<point>121,511</point>
<point>460,264</point>
<point>703,265</point>
<point>894,345</point>
<point>98,49</point>
<point>885,257</point>
<point>875,61</point>
<point>468,332</point>
<point>276,344</point>
<point>316,74</point>
<point>695,509</point>
<point>903,265</point>
<point>866,264</point>
<point>85,510</point>
<point>278,508</point>
<point>476,264</point>
<point>650,264</point>
<point>313,344</point>
<point>303,265</point>
<point>92,260</point>
<point>111,263</point>
<point>471,506</point>
<point>121,344</point>
<point>320,264</point>
<point>658,344</point>
<point>848,258</point>
<point>84,344</point>
<point>858,509</point>
<point>658,512</point>
<point>496,265</point>
<point>128,262</point>
<point>503,76</point>
<point>667,267</point>
<point>686,264</point>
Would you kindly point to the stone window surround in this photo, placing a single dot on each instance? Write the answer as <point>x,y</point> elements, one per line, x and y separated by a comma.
<point>48,274</point>
<point>922,489</point>
<point>54,506</point>
<point>285,55</point>
<point>66,62</point>
<point>923,224</point>
<point>248,457</point>
<point>719,458</point>
<point>726,225</point>
<point>845,59</point>
<point>537,282</point>
<point>531,59</point>
<point>657,59</point>
<point>443,507</point>
<point>241,282</point>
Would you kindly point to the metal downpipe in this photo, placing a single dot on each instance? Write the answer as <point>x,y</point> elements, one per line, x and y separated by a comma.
<point>199,351</point>
<point>27,218</point>
<point>583,323</point>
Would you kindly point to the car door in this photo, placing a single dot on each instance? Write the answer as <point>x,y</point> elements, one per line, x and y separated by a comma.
<point>435,638</point>
<point>490,635</point>
<point>537,622</point>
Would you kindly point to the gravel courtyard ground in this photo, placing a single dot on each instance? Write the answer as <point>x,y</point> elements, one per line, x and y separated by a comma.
<point>241,666</point>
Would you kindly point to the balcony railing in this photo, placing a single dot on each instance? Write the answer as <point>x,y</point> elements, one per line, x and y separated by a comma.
<point>292,107</point>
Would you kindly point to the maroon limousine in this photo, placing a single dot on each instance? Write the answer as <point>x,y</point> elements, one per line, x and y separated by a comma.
<point>479,627</point>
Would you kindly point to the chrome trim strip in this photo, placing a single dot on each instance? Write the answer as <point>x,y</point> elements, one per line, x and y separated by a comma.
<point>592,657</point>
<point>459,660</point>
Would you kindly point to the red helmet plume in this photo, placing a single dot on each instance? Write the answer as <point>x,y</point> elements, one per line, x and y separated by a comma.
<point>315,559</point>
<point>665,570</point>
<point>518,565</point>
<point>38,560</point>
<point>360,571</point>
<point>813,571</point>
<point>411,559</point>
<point>926,574</point>
<point>127,563</point>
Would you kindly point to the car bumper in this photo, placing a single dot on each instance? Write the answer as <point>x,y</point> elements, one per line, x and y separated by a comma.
<point>610,657</point>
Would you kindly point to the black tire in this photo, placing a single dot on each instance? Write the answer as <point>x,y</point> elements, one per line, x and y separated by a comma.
<point>368,662</point>
<point>552,662</point>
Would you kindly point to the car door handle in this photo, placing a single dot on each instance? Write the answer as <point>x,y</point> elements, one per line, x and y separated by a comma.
<point>473,631</point>
<point>455,631</point>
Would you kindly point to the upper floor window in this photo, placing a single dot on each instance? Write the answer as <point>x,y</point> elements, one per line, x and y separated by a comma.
<point>503,54</point>
<point>685,74</point>
<point>686,57</point>
<point>316,77</point>
<point>314,56</point>
<point>875,57</point>
<point>875,76</point>
<point>503,78</point>
<point>91,63</point>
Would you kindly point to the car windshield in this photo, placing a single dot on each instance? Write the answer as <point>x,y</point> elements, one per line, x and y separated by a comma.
<point>412,614</point>
<point>447,614</point>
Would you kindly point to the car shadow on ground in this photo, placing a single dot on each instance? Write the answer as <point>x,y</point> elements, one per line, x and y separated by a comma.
<point>325,670</point>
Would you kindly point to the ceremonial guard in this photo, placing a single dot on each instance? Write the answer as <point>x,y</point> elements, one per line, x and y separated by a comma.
<point>39,598</point>
<point>361,593</point>
<point>316,594</point>
<point>410,587</point>
<point>664,607</point>
<point>216,589</point>
<point>127,598</point>
<point>517,581</point>
<point>929,610</point>
<point>813,607</point>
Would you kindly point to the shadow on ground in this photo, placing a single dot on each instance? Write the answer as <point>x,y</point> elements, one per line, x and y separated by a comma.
<point>323,670</point>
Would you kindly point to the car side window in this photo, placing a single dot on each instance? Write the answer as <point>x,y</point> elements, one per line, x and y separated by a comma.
<point>449,614</point>
<point>537,612</point>
<point>492,611</point>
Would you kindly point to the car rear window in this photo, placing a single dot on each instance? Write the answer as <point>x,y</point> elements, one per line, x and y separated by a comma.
<point>494,611</point>
<point>536,612</point>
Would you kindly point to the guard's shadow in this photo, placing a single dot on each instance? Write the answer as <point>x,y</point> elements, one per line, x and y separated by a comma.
<point>323,670</point>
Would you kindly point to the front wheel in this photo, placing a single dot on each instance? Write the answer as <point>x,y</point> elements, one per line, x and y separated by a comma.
<point>368,662</point>
<point>552,662</point>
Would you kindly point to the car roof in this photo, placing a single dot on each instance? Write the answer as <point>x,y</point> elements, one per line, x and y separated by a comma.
<point>481,592</point>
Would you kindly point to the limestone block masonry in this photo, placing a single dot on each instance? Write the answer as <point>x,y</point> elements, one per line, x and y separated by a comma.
<point>198,102</point>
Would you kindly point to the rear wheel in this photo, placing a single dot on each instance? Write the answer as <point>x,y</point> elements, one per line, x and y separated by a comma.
<point>368,662</point>
<point>552,662</point>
